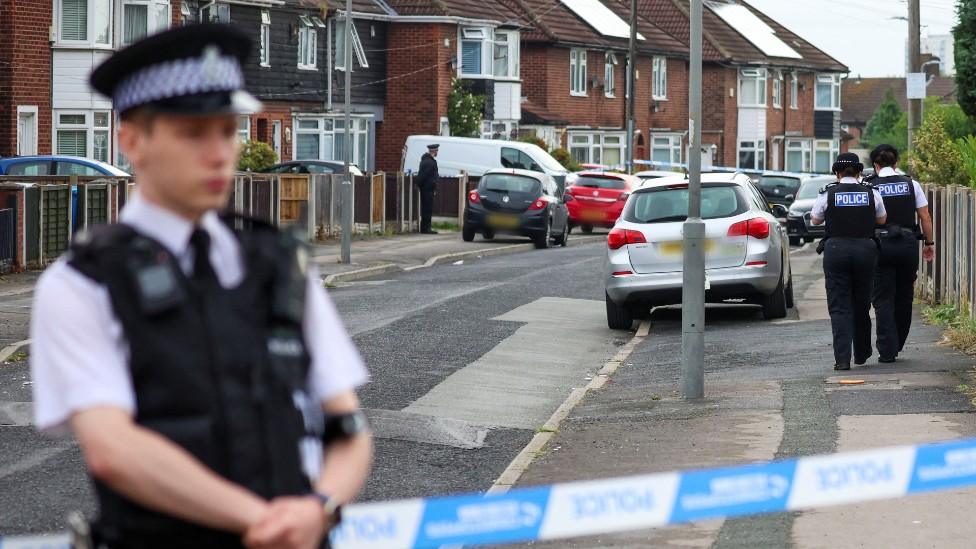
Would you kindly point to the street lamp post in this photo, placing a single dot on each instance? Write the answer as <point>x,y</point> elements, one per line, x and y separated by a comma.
<point>345,255</point>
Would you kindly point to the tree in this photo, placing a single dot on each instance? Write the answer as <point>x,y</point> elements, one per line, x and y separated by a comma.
<point>464,110</point>
<point>964,34</point>
<point>957,123</point>
<point>256,156</point>
<point>937,158</point>
<point>885,127</point>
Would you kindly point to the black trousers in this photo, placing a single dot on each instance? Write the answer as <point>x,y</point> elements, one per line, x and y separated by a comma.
<point>426,206</point>
<point>849,271</point>
<point>894,290</point>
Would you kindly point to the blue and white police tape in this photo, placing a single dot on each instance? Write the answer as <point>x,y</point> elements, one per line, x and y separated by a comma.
<point>648,501</point>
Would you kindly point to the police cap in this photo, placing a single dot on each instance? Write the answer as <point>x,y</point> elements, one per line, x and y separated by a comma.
<point>847,160</point>
<point>188,70</point>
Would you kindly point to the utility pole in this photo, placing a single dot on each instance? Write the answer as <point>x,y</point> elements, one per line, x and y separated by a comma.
<point>693,287</point>
<point>631,74</point>
<point>914,60</point>
<point>346,190</point>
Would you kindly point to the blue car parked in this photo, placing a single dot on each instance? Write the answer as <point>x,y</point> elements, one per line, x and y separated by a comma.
<point>57,165</point>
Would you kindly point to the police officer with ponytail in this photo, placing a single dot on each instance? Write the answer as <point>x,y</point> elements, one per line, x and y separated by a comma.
<point>851,210</point>
<point>195,356</point>
<point>894,277</point>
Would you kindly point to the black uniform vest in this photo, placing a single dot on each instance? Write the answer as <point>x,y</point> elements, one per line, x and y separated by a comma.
<point>850,211</point>
<point>898,193</point>
<point>215,372</point>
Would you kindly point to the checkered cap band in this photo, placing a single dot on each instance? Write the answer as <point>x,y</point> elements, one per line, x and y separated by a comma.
<point>209,73</point>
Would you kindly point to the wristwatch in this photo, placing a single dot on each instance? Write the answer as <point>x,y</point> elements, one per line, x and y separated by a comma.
<point>331,508</point>
<point>929,243</point>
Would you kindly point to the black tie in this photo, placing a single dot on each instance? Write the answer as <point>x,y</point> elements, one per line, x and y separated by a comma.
<point>203,273</point>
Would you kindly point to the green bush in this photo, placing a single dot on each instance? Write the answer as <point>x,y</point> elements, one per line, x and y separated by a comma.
<point>967,148</point>
<point>464,110</point>
<point>256,156</point>
<point>937,158</point>
<point>535,141</point>
<point>563,157</point>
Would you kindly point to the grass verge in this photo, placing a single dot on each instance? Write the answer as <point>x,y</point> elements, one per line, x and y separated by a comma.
<point>960,332</point>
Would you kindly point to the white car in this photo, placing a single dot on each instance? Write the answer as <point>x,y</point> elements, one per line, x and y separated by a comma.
<point>746,248</point>
<point>650,175</point>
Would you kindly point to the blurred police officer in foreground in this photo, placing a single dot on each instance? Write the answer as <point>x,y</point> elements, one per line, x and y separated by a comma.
<point>199,366</point>
<point>851,210</point>
<point>894,278</point>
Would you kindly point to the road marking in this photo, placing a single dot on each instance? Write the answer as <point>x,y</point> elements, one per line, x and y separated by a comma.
<point>427,429</point>
<point>521,380</point>
<point>521,463</point>
<point>33,460</point>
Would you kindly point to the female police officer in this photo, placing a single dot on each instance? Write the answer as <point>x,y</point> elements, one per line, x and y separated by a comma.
<point>894,278</point>
<point>851,211</point>
<point>179,349</point>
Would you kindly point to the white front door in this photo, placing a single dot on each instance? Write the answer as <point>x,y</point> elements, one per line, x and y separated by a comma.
<point>276,137</point>
<point>26,133</point>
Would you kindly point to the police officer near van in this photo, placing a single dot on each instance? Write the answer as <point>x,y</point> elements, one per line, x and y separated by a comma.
<point>195,357</point>
<point>894,277</point>
<point>426,180</point>
<point>851,210</point>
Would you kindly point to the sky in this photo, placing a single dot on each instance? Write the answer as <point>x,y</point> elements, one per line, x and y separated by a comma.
<point>860,33</point>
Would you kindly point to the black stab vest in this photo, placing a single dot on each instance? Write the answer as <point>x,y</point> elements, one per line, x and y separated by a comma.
<point>898,193</point>
<point>850,211</point>
<point>215,372</point>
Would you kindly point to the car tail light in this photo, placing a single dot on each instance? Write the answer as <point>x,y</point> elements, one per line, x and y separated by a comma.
<point>623,273</point>
<point>474,197</point>
<point>538,204</point>
<point>756,264</point>
<point>755,228</point>
<point>623,196</point>
<point>621,237</point>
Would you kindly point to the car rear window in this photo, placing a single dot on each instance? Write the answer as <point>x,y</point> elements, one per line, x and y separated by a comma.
<point>510,183</point>
<point>810,189</point>
<point>600,182</point>
<point>671,204</point>
<point>770,182</point>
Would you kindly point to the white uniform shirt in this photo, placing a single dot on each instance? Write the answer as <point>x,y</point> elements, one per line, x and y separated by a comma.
<point>819,210</point>
<point>920,199</point>
<point>79,356</point>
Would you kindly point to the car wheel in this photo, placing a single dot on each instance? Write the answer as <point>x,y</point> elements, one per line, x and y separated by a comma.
<point>789,294</point>
<point>488,234</point>
<point>618,317</point>
<point>563,239</point>
<point>774,304</point>
<point>544,240</point>
<point>795,241</point>
<point>467,234</point>
<point>587,229</point>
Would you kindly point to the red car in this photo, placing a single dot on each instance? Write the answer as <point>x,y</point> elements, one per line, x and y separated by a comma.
<point>596,199</point>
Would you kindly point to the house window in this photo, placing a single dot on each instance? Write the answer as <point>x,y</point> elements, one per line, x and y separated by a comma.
<point>244,128</point>
<point>609,82</point>
<point>598,148</point>
<point>752,155</point>
<point>798,155</point>
<point>828,92</point>
<point>506,54</point>
<point>216,13</point>
<point>83,133</point>
<point>265,38</point>
<point>825,151</point>
<point>752,88</point>
<point>186,15</point>
<point>308,39</point>
<point>143,17</point>
<point>445,125</point>
<point>794,90</point>
<point>778,90</point>
<point>475,44</point>
<point>666,149</point>
<point>340,41</point>
<point>323,138</point>
<point>87,21</point>
<point>659,79</point>
<point>577,72</point>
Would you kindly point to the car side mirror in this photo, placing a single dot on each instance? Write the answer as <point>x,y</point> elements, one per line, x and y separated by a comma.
<point>780,210</point>
<point>789,198</point>
<point>560,189</point>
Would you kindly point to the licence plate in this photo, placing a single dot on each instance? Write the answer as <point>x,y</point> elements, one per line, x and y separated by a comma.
<point>592,215</point>
<point>502,221</point>
<point>678,247</point>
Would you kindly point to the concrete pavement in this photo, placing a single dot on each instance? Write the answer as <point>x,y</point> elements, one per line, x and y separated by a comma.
<point>771,393</point>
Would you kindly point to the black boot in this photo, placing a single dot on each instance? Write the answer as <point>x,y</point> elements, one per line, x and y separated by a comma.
<point>842,366</point>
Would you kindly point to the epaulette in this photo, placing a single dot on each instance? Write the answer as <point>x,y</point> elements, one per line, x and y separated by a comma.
<point>91,242</point>
<point>827,186</point>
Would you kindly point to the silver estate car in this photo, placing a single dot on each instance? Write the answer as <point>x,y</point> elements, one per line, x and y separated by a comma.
<point>746,249</point>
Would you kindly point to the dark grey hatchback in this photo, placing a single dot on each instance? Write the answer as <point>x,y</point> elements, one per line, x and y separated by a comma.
<point>519,202</point>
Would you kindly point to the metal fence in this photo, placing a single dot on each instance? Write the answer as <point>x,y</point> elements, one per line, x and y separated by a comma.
<point>951,278</point>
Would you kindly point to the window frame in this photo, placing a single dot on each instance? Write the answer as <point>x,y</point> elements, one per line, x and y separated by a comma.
<point>308,44</point>
<point>758,147</point>
<point>609,77</point>
<point>328,129</point>
<point>577,72</point>
<point>659,78</point>
<point>832,149</point>
<point>794,90</point>
<point>512,53</point>
<point>264,52</point>
<point>91,17</point>
<point>834,82</point>
<point>483,38</point>
<point>805,148</point>
<point>777,89</point>
<point>88,127</point>
<point>594,145</point>
<point>675,144</point>
<point>244,134</point>
<point>759,76</point>
<point>359,54</point>
<point>152,23</point>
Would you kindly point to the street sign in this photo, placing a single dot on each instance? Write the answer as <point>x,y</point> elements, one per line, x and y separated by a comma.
<point>915,85</point>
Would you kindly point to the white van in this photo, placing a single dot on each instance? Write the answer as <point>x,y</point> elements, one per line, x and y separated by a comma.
<point>476,156</point>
